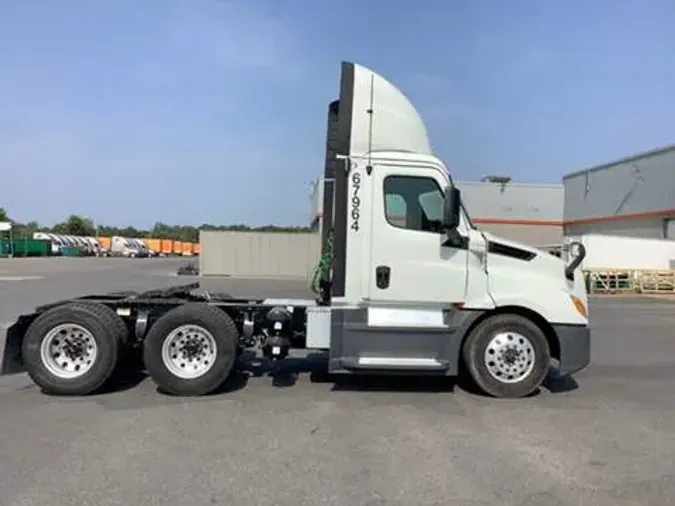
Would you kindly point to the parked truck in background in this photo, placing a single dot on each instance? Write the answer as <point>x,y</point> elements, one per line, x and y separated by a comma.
<point>124,247</point>
<point>54,241</point>
<point>415,290</point>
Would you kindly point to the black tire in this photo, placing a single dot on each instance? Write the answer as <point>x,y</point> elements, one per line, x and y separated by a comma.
<point>217,323</point>
<point>476,346</point>
<point>105,326</point>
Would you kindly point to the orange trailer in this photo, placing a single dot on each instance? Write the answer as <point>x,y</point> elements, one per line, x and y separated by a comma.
<point>154,244</point>
<point>167,247</point>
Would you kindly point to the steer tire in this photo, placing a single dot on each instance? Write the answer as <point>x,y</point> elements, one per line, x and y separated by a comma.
<point>517,331</point>
<point>164,365</point>
<point>107,330</point>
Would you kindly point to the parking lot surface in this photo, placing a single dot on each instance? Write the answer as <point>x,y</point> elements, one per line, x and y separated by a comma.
<point>607,437</point>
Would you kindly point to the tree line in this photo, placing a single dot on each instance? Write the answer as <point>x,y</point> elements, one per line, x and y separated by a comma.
<point>83,226</point>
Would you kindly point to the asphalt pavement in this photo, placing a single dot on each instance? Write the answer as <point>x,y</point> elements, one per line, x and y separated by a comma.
<point>605,437</point>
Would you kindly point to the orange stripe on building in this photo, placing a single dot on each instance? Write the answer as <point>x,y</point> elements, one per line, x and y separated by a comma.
<point>665,213</point>
<point>496,221</point>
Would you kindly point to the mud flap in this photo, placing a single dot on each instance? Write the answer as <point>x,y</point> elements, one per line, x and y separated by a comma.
<point>12,361</point>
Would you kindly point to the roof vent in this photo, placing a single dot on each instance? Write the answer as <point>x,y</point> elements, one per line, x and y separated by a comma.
<point>496,179</point>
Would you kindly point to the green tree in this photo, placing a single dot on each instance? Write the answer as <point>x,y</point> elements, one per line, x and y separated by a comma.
<point>32,227</point>
<point>84,226</point>
<point>75,225</point>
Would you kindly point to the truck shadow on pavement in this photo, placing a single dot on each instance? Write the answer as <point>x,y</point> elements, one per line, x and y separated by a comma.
<point>286,373</point>
<point>122,380</point>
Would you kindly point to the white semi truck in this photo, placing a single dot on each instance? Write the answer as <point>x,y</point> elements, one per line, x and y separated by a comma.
<point>125,247</point>
<point>406,285</point>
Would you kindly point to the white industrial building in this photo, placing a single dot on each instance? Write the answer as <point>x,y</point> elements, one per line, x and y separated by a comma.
<point>528,213</point>
<point>624,212</point>
<point>633,197</point>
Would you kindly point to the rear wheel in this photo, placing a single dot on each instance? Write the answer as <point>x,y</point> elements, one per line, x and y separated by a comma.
<point>73,349</point>
<point>507,356</point>
<point>191,350</point>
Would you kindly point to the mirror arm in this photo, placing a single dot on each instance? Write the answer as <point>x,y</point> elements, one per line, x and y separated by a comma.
<point>453,239</point>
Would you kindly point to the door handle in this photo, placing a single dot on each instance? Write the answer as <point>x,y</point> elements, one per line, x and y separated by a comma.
<point>382,275</point>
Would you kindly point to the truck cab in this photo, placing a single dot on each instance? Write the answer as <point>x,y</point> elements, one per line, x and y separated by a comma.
<point>122,246</point>
<point>413,278</point>
<point>400,250</point>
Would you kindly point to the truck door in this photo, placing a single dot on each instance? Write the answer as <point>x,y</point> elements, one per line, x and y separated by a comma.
<point>411,262</point>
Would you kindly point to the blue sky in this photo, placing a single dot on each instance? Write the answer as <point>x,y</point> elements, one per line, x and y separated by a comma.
<point>193,111</point>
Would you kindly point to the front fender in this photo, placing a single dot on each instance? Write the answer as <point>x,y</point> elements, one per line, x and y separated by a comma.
<point>554,306</point>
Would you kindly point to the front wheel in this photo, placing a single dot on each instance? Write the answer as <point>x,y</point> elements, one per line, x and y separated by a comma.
<point>507,356</point>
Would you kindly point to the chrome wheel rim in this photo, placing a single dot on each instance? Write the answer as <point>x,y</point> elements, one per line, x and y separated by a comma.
<point>189,351</point>
<point>68,351</point>
<point>509,357</point>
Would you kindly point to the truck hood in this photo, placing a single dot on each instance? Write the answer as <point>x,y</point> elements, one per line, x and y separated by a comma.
<point>526,263</point>
<point>522,275</point>
<point>491,238</point>
<point>523,257</point>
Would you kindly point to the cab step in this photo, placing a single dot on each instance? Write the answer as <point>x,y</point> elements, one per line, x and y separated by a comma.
<point>395,363</point>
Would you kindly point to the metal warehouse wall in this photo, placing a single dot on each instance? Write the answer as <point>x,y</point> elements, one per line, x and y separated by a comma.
<point>630,197</point>
<point>258,254</point>
<point>528,213</point>
<point>534,235</point>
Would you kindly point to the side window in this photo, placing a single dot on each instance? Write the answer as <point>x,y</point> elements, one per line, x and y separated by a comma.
<point>414,203</point>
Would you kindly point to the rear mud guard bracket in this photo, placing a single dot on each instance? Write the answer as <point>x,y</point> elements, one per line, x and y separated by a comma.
<point>12,360</point>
